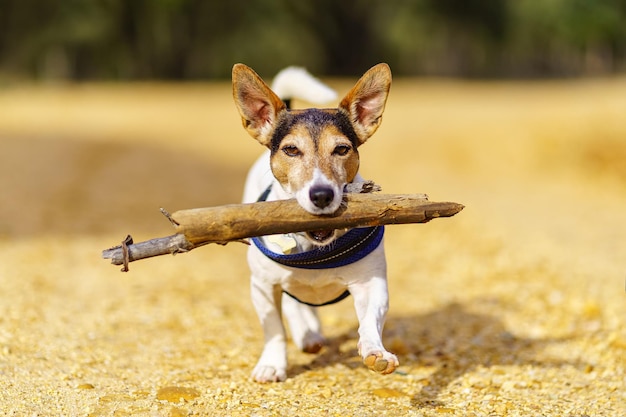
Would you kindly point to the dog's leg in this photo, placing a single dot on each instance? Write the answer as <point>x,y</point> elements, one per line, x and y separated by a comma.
<point>305,326</point>
<point>371,302</point>
<point>272,366</point>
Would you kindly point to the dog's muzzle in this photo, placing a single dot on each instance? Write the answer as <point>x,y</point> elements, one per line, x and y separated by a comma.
<point>321,197</point>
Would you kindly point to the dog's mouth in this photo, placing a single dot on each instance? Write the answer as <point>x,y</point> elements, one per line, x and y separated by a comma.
<point>321,236</point>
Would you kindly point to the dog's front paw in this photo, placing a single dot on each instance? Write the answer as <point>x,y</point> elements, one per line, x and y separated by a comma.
<point>381,362</point>
<point>266,373</point>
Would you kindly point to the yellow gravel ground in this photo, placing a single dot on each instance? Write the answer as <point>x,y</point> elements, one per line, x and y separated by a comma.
<point>515,307</point>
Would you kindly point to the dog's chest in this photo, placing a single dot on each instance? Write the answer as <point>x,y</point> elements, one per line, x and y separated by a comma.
<point>314,287</point>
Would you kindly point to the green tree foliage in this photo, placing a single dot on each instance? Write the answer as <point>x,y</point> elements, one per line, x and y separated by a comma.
<point>199,39</point>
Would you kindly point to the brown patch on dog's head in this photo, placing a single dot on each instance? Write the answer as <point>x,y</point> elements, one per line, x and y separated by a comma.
<point>339,155</point>
<point>314,139</point>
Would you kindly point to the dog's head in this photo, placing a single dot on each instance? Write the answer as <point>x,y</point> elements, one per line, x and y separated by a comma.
<point>314,152</point>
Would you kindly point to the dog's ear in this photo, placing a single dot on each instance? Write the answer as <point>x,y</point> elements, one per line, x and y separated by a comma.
<point>365,103</point>
<point>256,102</point>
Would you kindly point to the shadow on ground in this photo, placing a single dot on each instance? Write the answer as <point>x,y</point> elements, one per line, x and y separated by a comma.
<point>452,340</point>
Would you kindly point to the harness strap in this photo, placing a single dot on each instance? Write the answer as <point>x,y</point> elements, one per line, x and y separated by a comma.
<point>343,295</point>
<point>355,245</point>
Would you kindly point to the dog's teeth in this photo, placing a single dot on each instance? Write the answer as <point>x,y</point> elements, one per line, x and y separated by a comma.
<point>321,235</point>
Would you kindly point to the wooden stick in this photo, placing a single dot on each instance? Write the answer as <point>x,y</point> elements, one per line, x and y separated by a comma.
<point>239,221</point>
<point>223,224</point>
<point>154,247</point>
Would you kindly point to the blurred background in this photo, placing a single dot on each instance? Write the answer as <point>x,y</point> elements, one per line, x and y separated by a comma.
<point>110,109</point>
<point>196,39</point>
<point>92,91</point>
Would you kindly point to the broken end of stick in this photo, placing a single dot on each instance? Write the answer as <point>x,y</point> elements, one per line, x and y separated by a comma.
<point>447,210</point>
<point>362,187</point>
<point>455,208</point>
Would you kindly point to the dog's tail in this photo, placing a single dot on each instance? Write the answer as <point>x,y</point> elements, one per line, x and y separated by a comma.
<point>296,83</point>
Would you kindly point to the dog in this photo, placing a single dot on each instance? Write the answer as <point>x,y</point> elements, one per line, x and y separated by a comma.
<point>312,154</point>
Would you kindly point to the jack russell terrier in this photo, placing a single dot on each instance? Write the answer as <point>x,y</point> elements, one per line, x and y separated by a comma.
<point>312,154</point>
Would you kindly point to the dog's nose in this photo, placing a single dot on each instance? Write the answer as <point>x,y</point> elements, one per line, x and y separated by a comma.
<point>321,197</point>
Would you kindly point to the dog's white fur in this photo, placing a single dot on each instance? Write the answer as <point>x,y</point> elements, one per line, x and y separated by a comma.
<point>366,279</point>
<point>296,82</point>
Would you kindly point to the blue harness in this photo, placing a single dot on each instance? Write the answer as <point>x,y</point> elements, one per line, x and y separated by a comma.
<point>351,247</point>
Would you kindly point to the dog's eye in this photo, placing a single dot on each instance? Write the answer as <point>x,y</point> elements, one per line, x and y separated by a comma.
<point>291,150</point>
<point>342,150</point>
